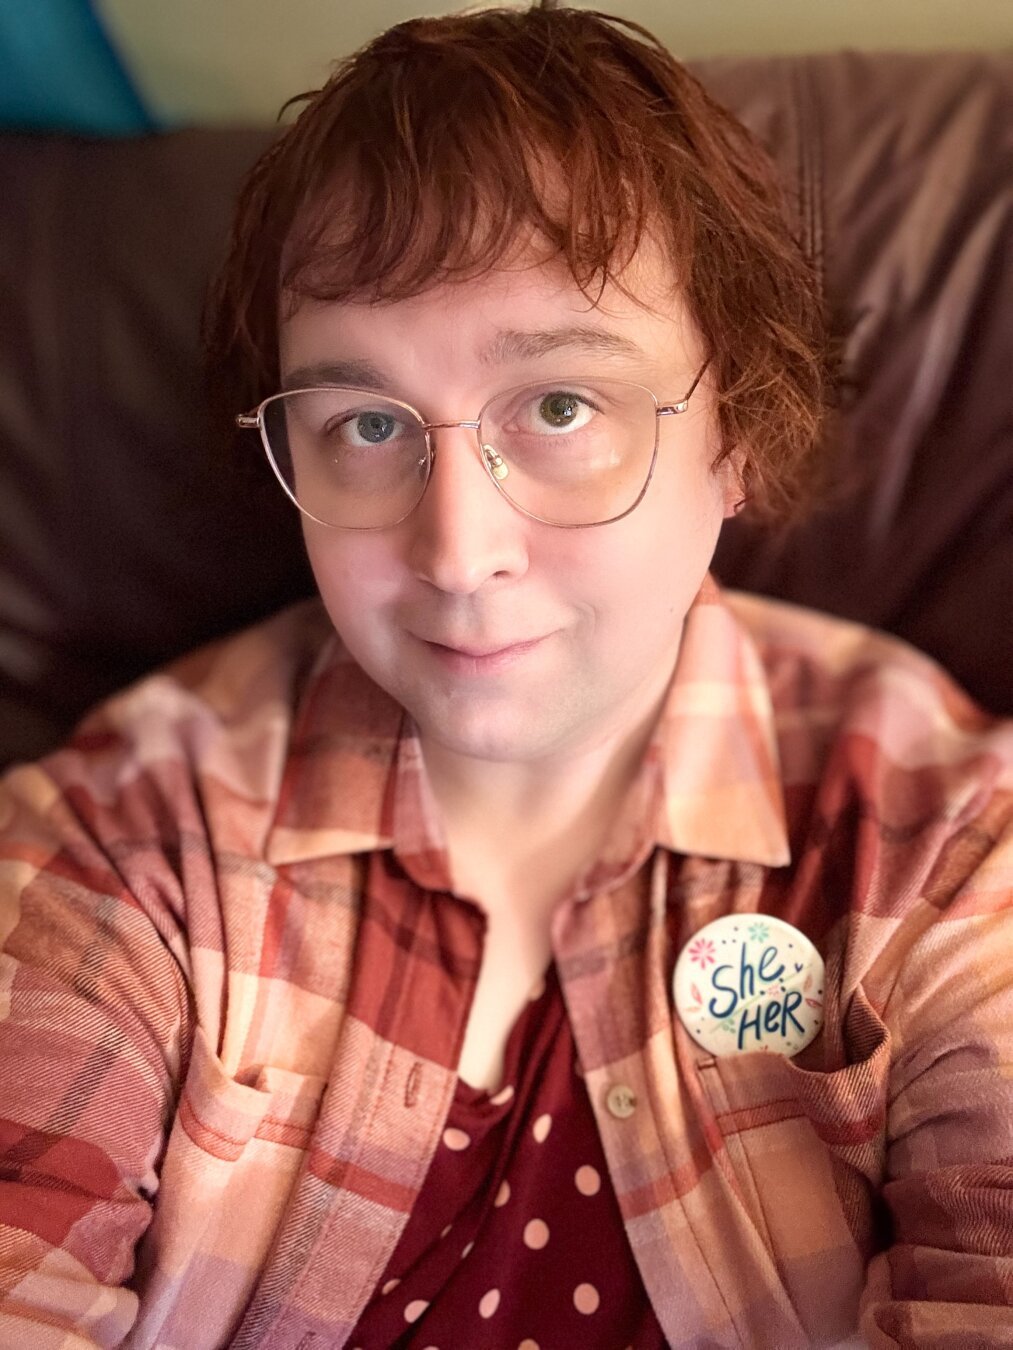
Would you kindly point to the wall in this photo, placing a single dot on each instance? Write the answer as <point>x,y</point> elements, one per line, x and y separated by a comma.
<point>238,60</point>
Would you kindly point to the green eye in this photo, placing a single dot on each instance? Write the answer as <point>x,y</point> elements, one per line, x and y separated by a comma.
<point>559,409</point>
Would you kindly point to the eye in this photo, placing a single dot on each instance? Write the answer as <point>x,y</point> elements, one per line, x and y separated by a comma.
<point>372,426</point>
<point>562,410</point>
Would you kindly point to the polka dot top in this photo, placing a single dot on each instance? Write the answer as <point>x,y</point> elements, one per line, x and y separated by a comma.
<point>516,1239</point>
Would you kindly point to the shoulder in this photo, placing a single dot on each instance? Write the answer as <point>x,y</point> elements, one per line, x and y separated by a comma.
<point>885,761</point>
<point>247,674</point>
<point>209,730</point>
<point>830,678</point>
<point>247,685</point>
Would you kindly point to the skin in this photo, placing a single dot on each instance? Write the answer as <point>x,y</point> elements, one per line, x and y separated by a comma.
<point>528,755</point>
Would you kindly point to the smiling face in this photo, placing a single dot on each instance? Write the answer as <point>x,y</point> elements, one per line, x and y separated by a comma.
<point>505,638</point>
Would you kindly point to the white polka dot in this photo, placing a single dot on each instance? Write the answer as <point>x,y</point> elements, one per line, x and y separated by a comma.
<point>446,1230</point>
<point>586,1298</point>
<point>456,1139</point>
<point>418,1306</point>
<point>528,1344</point>
<point>588,1180</point>
<point>537,991</point>
<point>536,1234</point>
<point>391,1284</point>
<point>489,1304</point>
<point>503,1095</point>
<point>467,1250</point>
<point>502,1195</point>
<point>541,1128</point>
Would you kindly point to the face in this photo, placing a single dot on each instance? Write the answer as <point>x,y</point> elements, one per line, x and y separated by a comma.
<point>507,639</point>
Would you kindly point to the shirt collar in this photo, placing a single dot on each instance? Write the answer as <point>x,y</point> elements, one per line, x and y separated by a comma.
<point>722,795</point>
<point>353,761</point>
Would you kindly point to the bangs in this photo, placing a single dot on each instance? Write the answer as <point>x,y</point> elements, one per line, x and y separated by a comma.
<point>444,164</point>
<point>451,146</point>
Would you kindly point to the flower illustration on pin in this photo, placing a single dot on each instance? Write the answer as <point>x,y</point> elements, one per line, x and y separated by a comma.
<point>759,932</point>
<point>702,953</point>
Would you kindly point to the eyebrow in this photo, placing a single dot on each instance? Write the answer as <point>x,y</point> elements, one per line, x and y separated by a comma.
<point>509,344</point>
<point>357,374</point>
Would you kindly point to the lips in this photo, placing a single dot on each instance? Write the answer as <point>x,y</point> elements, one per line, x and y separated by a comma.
<point>479,651</point>
<point>474,658</point>
<point>477,646</point>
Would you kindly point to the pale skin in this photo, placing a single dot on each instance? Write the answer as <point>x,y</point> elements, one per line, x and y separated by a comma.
<point>529,757</point>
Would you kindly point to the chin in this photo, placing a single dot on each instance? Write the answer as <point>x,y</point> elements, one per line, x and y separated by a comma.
<point>499,736</point>
<point>494,744</point>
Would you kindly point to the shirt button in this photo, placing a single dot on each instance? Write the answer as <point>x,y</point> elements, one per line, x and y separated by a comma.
<point>621,1100</point>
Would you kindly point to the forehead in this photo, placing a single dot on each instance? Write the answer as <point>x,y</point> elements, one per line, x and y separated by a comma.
<point>528,313</point>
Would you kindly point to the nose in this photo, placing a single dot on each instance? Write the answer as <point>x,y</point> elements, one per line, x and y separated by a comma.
<point>464,533</point>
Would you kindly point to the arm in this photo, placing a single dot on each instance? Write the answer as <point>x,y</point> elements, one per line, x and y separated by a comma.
<point>947,1278</point>
<point>92,1003</point>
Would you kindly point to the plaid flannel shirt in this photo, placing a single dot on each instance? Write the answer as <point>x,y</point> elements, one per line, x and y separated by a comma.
<point>229,1022</point>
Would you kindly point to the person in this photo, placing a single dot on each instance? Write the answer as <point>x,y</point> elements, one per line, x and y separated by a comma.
<point>340,957</point>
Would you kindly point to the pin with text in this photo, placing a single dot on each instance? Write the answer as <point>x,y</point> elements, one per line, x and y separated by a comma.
<point>750,982</point>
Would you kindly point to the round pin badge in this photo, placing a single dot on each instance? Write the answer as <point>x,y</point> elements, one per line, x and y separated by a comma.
<point>750,982</point>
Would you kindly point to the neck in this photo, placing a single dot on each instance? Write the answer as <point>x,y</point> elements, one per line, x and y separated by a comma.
<point>519,834</point>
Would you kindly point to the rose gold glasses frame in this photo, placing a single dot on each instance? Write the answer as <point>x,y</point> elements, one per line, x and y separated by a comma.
<point>254,420</point>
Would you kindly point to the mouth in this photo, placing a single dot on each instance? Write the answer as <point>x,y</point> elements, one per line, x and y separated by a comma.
<point>481,659</point>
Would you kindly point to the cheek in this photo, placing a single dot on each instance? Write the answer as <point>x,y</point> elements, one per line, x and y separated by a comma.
<point>355,574</point>
<point>656,561</point>
<point>631,586</point>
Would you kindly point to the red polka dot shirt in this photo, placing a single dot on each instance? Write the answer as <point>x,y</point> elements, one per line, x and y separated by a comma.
<point>516,1239</point>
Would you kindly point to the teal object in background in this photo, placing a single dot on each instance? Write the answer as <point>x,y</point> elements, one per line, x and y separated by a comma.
<point>59,72</point>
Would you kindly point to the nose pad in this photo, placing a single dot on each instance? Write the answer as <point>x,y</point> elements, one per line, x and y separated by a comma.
<point>463,535</point>
<point>498,466</point>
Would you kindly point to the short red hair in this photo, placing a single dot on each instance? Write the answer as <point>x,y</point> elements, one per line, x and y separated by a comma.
<point>432,151</point>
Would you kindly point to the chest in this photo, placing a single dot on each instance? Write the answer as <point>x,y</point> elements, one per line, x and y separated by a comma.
<point>735,1172</point>
<point>513,962</point>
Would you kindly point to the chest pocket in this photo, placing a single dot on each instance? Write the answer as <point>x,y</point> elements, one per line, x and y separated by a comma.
<point>804,1142</point>
<point>234,1153</point>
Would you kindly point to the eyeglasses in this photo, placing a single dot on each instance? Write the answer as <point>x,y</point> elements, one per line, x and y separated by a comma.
<point>569,452</point>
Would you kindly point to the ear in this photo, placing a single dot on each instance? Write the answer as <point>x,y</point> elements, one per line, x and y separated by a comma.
<point>730,472</point>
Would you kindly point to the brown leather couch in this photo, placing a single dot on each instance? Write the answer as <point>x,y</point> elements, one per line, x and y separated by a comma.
<point>130,530</point>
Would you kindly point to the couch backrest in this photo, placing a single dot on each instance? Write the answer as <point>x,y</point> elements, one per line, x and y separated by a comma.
<point>128,534</point>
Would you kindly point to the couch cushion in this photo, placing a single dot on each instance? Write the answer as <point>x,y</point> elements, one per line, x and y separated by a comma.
<point>127,537</point>
<point>903,187</point>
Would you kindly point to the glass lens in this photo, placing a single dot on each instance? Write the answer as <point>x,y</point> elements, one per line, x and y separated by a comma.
<point>346,456</point>
<point>571,452</point>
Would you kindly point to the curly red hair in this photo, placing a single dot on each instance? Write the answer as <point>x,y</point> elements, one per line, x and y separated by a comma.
<point>438,146</point>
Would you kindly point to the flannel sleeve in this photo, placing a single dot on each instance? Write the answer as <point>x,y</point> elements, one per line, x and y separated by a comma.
<point>946,1280</point>
<point>93,1000</point>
